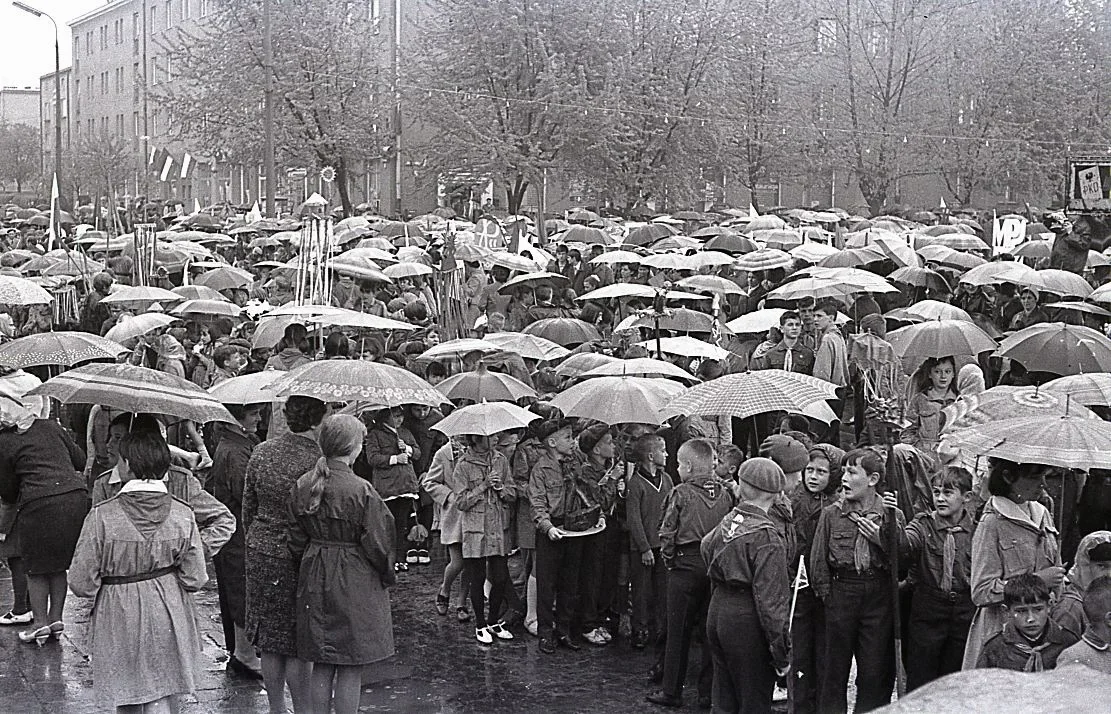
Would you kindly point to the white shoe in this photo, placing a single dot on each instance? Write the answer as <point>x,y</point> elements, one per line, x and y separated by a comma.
<point>10,618</point>
<point>484,635</point>
<point>595,637</point>
<point>531,628</point>
<point>498,628</point>
<point>779,694</point>
<point>605,635</point>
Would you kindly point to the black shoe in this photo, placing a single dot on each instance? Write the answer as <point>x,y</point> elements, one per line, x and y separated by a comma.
<point>656,673</point>
<point>705,702</point>
<point>665,700</point>
<point>566,641</point>
<point>548,645</point>
<point>236,667</point>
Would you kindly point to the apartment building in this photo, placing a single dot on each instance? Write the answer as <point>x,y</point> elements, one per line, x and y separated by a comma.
<point>46,117</point>
<point>19,105</point>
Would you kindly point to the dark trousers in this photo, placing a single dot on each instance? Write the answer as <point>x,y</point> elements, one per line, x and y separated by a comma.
<point>649,595</point>
<point>807,648</point>
<point>688,597</point>
<point>494,569</point>
<point>558,566</point>
<point>400,509</point>
<point>613,586</point>
<point>744,675</point>
<point>860,623</point>
<point>936,635</point>
<point>591,576</point>
<point>425,516</point>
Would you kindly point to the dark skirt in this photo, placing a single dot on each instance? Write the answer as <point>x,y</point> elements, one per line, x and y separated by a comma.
<point>271,603</point>
<point>48,529</point>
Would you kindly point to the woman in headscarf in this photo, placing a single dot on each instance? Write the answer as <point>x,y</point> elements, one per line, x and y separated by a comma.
<point>970,380</point>
<point>1031,314</point>
<point>140,555</point>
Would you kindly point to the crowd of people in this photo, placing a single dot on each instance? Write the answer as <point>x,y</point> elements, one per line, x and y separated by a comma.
<point>785,555</point>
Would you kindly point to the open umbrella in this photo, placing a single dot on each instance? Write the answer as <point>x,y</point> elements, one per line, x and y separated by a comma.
<point>485,419</point>
<point>678,320</point>
<point>854,257</point>
<point>587,235</point>
<point>781,238</point>
<point>1007,271</point>
<point>618,291</point>
<point>813,252</point>
<point>134,389</point>
<point>920,278</point>
<point>138,325</point>
<point>937,310</point>
<point>224,278</point>
<point>940,338</point>
<point>1034,249</point>
<point>618,400</point>
<point>1086,389</point>
<point>711,284</point>
<point>457,348</point>
<point>565,331</point>
<point>197,292</point>
<point>618,256</point>
<point>512,261</point>
<point>1059,349</point>
<point>533,280</point>
<point>210,308</point>
<point>58,348</point>
<point>1061,282</point>
<point>528,346</point>
<point>640,367</point>
<point>1071,442</point>
<point>1000,403</point>
<point>676,243</point>
<point>141,296</point>
<point>670,261</point>
<point>378,384</point>
<point>686,346</point>
<point>1081,307</point>
<point>749,393</point>
<point>482,385</point>
<point>764,259</point>
<point>406,270</point>
<point>648,234</point>
<point>20,291</point>
<point>729,243</point>
<point>578,364</point>
<point>247,388</point>
<point>960,241</point>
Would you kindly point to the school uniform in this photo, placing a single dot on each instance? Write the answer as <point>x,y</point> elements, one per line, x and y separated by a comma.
<point>747,619</point>
<point>941,607</point>
<point>692,509</point>
<point>644,508</point>
<point>1090,651</point>
<point>852,575</point>
<point>1011,650</point>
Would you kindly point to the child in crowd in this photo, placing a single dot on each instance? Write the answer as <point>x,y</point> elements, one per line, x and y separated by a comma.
<point>851,572</point>
<point>820,481</point>
<point>1094,648</point>
<point>729,460</point>
<point>1030,641</point>
<point>1093,560</point>
<point>648,486</point>
<point>693,508</point>
<point>941,609</point>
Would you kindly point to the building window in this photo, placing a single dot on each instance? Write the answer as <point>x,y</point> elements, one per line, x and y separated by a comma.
<point>204,8</point>
<point>153,19</point>
<point>103,82</point>
<point>104,37</point>
<point>88,44</point>
<point>169,14</point>
<point>186,10</point>
<point>169,68</point>
<point>135,124</point>
<point>825,41</point>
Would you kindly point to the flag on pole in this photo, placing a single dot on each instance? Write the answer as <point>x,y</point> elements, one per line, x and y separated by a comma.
<point>153,155</point>
<point>942,205</point>
<point>186,165</point>
<point>167,167</point>
<point>196,204</point>
<point>752,211</point>
<point>54,227</point>
<point>255,214</point>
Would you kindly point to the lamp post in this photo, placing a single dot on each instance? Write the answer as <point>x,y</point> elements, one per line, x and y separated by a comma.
<point>57,93</point>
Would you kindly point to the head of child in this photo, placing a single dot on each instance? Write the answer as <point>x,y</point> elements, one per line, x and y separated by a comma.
<point>759,482</point>
<point>650,451</point>
<point>477,444</point>
<point>1017,482</point>
<point>696,460</point>
<point>1026,598</point>
<point>790,454</point>
<point>860,474</point>
<point>729,460</point>
<point>936,374</point>
<point>952,490</point>
<point>557,436</point>
<point>1097,607</point>
<point>823,473</point>
<point>597,443</point>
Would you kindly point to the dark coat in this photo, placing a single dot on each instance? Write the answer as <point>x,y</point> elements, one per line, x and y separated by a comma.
<point>390,480</point>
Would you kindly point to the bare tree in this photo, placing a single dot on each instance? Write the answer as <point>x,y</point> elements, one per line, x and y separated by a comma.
<point>20,154</point>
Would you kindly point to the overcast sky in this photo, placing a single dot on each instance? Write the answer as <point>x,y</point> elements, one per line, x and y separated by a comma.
<point>27,42</point>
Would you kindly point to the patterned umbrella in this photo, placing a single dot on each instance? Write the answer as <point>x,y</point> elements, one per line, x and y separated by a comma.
<point>134,389</point>
<point>380,385</point>
<point>1071,442</point>
<point>1086,389</point>
<point>20,291</point>
<point>1059,349</point>
<point>528,346</point>
<point>485,419</point>
<point>618,400</point>
<point>764,259</point>
<point>748,393</point>
<point>940,338</point>
<point>62,348</point>
<point>1000,403</point>
<point>482,385</point>
<point>566,331</point>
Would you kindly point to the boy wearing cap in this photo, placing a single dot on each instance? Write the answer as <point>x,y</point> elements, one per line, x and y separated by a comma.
<point>557,559</point>
<point>851,573</point>
<point>692,509</point>
<point>747,621</point>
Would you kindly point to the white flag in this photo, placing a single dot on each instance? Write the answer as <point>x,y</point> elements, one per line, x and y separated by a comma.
<point>166,168</point>
<point>53,236</point>
<point>196,206</point>
<point>943,206</point>
<point>752,211</point>
<point>255,214</point>
<point>186,165</point>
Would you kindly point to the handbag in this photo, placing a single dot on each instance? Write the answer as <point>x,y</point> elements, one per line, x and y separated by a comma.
<point>583,518</point>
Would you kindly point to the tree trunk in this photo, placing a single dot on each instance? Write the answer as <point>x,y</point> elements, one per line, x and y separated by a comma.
<point>515,194</point>
<point>344,188</point>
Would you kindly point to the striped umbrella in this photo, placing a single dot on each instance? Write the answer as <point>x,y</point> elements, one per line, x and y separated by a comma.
<point>62,348</point>
<point>764,259</point>
<point>134,389</point>
<point>749,393</point>
<point>1086,389</point>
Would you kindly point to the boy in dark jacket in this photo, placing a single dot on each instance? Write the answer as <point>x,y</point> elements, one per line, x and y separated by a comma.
<point>645,493</point>
<point>1030,641</point>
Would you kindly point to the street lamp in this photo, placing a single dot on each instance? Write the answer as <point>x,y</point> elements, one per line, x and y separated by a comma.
<point>57,96</point>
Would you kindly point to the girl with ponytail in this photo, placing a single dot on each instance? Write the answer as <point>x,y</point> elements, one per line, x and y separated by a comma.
<point>343,536</point>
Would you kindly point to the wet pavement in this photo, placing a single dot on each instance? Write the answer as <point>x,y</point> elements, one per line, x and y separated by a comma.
<point>438,667</point>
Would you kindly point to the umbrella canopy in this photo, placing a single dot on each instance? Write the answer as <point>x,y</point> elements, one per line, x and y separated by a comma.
<point>686,346</point>
<point>819,288</point>
<point>1086,389</point>
<point>138,325</point>
<point>960,241</point>
<point>1007,271</point>
<point>921,278</point>
<point>854,257</point>
<point>618,400</point>
<point>813,252</point>
<point>1061,282</point>
<point>58,348</point>
<point>136,390</point>
<point>342,317</point>
<point>528,346</point>
<point>711,284</point>
<point>676,243</point>
<point>1059,349</point>
<point>1084,307</point>
<point>587,235</point>
<point>197,292</point>
<point>214,308</point>
<point>1070,442</point>
<point>937,310</point>
<point>378,384</point>
<point>578,364</point>
<point>646,235</point>
<point>953,258</point>
<point>247,388</point>
<point>749,393</point>
<point>766,222</point>
<point>512,261</point>
<point>469,251</point>
<point>678,320</point>
<point>618,256</point>
<point>458,348</point>
<point>224,278</point>
<point>640,367</point>
<point>940,338</point>
<point>781,238</point>
<point>565,331</point>
<point>729,243</point>
<point>406,270</point>
<point>359,267</point>
<point>710,259</point>
<point>20,291</point>
<point>764,259</point>
<point>635,290</point>
<point>756,322</point>
<point>533,280</point>
<point>141,296</point>
<point>1009,403</point>
<point>482,385</point>
<point>1034,249</point>
<point>485,419</point>
<point>670,261</point>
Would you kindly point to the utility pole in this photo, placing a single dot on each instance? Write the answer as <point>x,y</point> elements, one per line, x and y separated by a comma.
<point>397,108</point>
<point>57,100</point>
<point>268,118</point>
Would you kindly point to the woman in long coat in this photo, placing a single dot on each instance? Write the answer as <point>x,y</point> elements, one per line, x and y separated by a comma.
<point>342,534</point>
<point>140,555</point>
<point>271,572</point>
